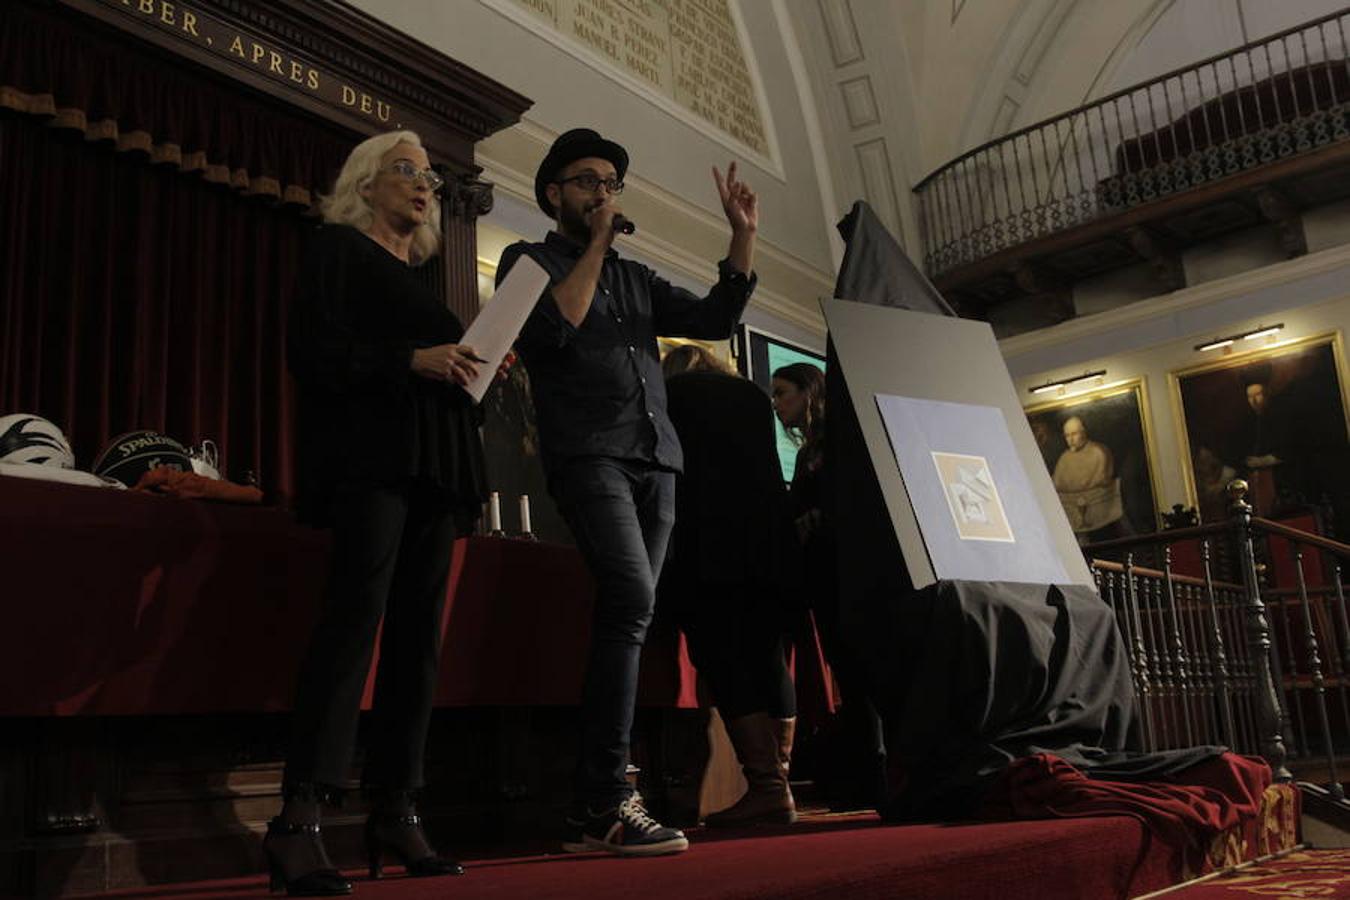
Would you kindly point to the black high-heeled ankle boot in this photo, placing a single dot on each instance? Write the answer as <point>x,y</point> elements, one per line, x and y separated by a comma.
<point>298,862</point>
<point>395,826</point>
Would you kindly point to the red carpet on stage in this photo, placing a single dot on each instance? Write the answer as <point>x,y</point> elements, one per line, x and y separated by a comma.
<point>839,858</point>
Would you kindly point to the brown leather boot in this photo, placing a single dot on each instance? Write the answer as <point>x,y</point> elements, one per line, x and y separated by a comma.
<point>784,730</point>
<point>763,746</point>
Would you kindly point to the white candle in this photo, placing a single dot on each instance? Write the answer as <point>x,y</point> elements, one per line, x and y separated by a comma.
<point>524,513</point>
<point>494,512</point>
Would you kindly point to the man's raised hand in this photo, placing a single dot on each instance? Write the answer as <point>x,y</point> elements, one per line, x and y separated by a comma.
<point>738,202</point>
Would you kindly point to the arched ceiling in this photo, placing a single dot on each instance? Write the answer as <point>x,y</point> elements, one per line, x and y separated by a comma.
<point>863,99</point>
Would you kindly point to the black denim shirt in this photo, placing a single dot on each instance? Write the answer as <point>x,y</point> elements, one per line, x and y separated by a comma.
<point>597,387</point>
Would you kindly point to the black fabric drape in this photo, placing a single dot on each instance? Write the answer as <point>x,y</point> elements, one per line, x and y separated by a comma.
<point>995,671</point>
<point>877,270</point>
<point>132,296</point>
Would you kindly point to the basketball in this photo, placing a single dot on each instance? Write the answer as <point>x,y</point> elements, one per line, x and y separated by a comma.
<point>131,455</point>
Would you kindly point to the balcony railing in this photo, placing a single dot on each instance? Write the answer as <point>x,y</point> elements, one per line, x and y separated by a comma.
<point>1263,102</point>
<point>1239,636</point>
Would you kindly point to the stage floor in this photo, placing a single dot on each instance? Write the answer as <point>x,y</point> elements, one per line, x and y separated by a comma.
<point>824,856</point>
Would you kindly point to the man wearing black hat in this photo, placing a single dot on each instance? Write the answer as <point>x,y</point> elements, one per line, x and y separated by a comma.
<point>609,449</point>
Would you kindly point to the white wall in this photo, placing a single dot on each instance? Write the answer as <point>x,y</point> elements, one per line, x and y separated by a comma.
<point>1152,338</point>
<point>862,97</point>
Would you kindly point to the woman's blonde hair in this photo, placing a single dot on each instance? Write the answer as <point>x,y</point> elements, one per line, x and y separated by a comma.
<point>347,206</point>
<point>691,358</point>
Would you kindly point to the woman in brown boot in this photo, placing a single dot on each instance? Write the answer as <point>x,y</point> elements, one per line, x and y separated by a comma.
<point>729,562</point>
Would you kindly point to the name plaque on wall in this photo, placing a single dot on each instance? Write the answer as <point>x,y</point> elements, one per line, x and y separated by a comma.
<point>687,51</point>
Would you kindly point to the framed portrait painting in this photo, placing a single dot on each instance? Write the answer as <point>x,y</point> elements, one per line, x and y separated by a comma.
<point>1097,448</point>
<point>1275,417</point>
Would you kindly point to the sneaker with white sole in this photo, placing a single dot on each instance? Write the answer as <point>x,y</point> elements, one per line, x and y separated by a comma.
<point>626,830</point>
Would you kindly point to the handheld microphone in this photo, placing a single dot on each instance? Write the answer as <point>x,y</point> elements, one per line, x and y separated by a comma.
<point>623,225</point>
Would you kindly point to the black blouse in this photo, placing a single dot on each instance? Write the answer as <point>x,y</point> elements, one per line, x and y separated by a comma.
<point>732,522</point>
<point>365,417</point>
<point>808,482</point>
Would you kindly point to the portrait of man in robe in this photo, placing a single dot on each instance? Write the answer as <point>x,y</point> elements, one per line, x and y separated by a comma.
<point>1096,447</point>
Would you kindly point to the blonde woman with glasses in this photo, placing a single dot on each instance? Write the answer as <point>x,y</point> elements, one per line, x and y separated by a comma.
<point>389,457</point>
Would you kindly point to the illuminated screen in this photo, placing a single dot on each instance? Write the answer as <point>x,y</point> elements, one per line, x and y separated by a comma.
<point>765,355</point>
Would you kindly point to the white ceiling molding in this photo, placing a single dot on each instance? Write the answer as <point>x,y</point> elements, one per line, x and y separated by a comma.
<point>845,47</point>
<point>1111,62</point>
<point>1040,41</point>
<point>859,102</point>
<point>1003,119</point>
<point>757,81</point>
<point>814,133</point>
<point>857,70</point>
<point>1010,70</point>
<point>878,185</point>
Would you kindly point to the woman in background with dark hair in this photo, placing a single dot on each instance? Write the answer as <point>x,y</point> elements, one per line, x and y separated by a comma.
<point>728,569</point>
<point>857,780</point>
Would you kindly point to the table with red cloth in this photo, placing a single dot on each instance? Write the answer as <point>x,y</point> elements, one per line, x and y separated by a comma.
<point>121,603</point>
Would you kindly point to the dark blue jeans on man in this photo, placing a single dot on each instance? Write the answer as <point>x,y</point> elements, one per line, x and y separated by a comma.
<point>621,513</point>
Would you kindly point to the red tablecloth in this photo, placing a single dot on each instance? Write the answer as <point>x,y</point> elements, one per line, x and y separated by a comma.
<point>517,627</point>
<point>117,603</point>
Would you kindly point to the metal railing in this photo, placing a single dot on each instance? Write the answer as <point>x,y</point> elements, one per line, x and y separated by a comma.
<point>1263,102</point>
<point>1249,649</point>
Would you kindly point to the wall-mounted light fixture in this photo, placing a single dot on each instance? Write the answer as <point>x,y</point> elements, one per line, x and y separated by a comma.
<point>1064,384</point>
<point>1259,332</point>
<point>1263,332</point>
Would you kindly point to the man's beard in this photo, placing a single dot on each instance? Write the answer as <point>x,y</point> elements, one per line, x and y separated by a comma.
<point>572,221</point>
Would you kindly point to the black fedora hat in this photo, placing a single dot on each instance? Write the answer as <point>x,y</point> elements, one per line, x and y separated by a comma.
<point>570,146</point>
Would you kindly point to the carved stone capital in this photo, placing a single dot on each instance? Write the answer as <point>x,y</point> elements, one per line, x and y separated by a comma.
<point>1034,279</point>
<point>1166,264</point>
<point>1279,211</point>
<point>1053,297</point>
<point>467,197</point>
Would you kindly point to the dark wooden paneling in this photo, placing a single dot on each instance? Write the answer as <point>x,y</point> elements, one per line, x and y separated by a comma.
<point>188,798</point>
<point>451,105</point>
<point>1172,223</point>
<point>1220,217</point>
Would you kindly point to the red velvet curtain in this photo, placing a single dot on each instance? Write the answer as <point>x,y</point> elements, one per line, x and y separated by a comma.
<point>81,75</point>
<point>137,288</point>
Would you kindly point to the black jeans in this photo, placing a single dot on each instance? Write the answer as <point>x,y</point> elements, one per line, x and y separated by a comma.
<point>391,558</point>
<point>621,513</point>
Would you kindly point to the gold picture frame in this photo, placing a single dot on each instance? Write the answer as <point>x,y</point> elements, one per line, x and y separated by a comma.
<point>1209,429</point>
<point>1117,415</point>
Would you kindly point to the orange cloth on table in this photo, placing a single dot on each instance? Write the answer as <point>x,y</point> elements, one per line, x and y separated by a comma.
<point>163,480</point>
